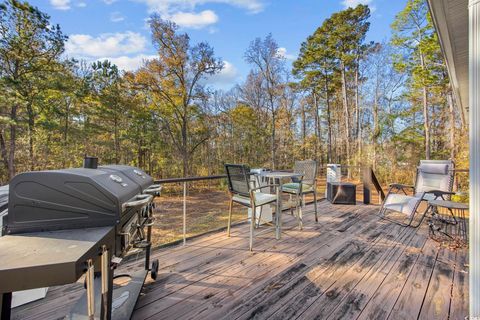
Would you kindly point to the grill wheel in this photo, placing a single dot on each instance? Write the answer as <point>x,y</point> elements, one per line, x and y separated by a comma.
<point>154,269</point>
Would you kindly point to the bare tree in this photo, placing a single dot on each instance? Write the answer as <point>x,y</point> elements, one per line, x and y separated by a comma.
<point>269,66</point>
<point>174,78</point>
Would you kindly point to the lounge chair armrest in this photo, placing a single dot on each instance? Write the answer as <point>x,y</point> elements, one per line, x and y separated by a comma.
<point>439,193</point>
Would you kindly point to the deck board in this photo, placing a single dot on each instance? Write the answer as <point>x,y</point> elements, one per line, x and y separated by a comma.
<point>351,265</point>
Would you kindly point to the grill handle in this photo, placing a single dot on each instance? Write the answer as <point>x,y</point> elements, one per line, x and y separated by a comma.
<point>153,189</point>
<point>140,201</point>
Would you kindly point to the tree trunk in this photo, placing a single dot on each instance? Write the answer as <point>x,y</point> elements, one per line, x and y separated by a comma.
<point>304,131</point>
<point>329,120</point>
<point>65,134</point>
<point>3,150</point>
<point>376,127</point>
<point>31,134</point>
<point>347,114</point>
<point>358,128</point>
<point>426,122</point>
<point>452,124</point>
<point>184,147</point>
<point>116,138</point>
<point>315,108</point>
<point>13,138</point>
<point>273,140</point>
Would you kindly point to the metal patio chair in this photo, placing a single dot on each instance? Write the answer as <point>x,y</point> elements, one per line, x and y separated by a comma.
<point>242,193</point>
<point>300,187</point>
<point>434,180</point>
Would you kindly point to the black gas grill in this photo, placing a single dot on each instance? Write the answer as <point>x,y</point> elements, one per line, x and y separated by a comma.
<point>119,196</point>
<point>114,196</point>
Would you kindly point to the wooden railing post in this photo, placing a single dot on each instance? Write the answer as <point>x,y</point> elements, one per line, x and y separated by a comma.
<point>367,182</point>
<point>369,178</point>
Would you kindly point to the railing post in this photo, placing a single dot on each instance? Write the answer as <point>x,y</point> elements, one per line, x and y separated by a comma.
<point>184,213</point>
<point>367,181</point>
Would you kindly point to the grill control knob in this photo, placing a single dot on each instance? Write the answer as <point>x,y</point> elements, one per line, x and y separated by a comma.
<point>116,178</point>
<point>139,173</point>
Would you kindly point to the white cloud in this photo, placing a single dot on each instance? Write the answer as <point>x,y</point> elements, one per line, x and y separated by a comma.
<point>108,44</point>
<point>194,20</point>
<point>354,3</point>
<point>116,17</point>
<point>129,63</point>
<point>108,2</point>
<point>226,78</point>
<point>172,6</point>
<point>282,52</point>
<point>60,4</point>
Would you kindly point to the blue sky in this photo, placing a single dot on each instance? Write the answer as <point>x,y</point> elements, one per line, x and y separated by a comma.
<point>117,29</point>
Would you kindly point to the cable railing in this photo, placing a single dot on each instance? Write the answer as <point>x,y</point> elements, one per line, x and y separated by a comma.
<point>193,206</point>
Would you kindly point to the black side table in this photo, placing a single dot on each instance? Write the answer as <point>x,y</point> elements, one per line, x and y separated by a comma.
<point>453,226</point>
<point>341,192</point>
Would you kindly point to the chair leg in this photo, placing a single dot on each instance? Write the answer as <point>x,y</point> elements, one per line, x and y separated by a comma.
<point>298,210</point>
<point>260,217</point>
<point>229,217</point>
<point>291,208</point>
<point>252,227</point>
<point>315,205</point>
<point>300,218</point>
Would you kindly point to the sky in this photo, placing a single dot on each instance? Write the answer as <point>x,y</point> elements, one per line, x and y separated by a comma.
<point>118,29</point>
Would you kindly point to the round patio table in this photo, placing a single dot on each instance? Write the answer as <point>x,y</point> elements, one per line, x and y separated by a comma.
<point>457,212</point>
<point>278,176</point>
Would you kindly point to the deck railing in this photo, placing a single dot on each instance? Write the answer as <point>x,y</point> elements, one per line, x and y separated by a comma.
<point>193,206</point>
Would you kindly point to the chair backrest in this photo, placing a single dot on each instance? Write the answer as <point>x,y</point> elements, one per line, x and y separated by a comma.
<point>308,168</point>
<point>238,181</point>
<point>435,175</point>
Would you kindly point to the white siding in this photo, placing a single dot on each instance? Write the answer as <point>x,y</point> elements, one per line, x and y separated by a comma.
<point>474,93</point>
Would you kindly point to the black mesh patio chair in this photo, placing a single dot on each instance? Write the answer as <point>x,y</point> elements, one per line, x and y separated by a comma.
<point>242,193</point>
<point>434,180</point>
<point>299,187</point>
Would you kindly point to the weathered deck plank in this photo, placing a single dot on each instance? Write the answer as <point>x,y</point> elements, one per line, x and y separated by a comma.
<point>410,300</point>
<point>356,300</point>
<point>385,297</point>
<point>324,305</point>
<point>350,265</point>
<point>436,304</point>
<point>459,303</point>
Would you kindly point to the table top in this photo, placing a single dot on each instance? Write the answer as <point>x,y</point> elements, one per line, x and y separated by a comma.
<point>279,174</point>
<point>40,259</point>
<point>449,204</point>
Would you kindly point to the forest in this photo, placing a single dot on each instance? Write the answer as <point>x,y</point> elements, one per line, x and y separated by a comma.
<point>345,100</point>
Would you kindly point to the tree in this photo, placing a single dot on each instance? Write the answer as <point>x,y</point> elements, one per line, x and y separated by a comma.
<point>414,34</point>
<point>29,49</point>
<point>174,80</point>
<point>268,65</point>
<point>381,89</point>
<point>107,84</point>
<point>331,57</point>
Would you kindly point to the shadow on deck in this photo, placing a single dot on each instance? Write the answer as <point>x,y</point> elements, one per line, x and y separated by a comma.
<point>351,265</point>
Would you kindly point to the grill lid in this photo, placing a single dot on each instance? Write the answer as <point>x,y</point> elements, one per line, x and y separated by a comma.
<point>67,199</point>
<point>137,175</point>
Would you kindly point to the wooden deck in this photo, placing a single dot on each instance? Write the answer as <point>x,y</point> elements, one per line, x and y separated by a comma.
<point>351,265</point>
